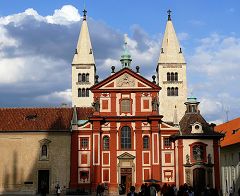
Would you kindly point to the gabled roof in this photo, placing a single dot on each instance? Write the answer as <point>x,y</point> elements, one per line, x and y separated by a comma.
<point>232,132</point>
<point>125,79</point>
<point>39,119</point>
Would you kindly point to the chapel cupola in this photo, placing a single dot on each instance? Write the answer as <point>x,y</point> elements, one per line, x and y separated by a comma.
<point>126,57</point>
<point>192,105</point>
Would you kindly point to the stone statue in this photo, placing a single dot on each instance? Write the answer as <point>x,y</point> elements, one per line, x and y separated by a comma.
<point>96,105</point>
<point>155,104</point>
<point>209,159</point>
<point>187,159</point>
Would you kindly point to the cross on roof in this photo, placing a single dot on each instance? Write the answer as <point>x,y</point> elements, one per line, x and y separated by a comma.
<point>169,14</point>
<point>84,14</point>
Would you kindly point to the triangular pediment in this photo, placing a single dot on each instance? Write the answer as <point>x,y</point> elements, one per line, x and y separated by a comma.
<point>125,79</point>
<point>126,155</point>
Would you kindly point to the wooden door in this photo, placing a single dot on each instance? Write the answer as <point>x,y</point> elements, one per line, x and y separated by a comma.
<point>43,181</point>
<point>199,180</point>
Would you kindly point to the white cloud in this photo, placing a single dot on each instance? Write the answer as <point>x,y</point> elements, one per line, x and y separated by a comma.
<point>6,40</point>
<point>66,15</point>
<point>60,97</point>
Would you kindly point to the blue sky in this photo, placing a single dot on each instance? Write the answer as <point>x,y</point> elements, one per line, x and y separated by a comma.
<point>37,41</point>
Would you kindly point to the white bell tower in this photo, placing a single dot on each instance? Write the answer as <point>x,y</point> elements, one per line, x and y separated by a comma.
<point>83,68</point>
<point>171,75</point>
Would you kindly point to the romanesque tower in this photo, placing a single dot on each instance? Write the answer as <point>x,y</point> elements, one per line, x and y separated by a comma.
<point>171,75</point>
<point>83,68</point>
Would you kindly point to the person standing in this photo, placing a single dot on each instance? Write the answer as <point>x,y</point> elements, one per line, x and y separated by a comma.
<point>58,190</point>
<point>132,191</point>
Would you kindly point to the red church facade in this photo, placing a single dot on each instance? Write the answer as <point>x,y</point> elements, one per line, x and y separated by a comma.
<point>124,141</point>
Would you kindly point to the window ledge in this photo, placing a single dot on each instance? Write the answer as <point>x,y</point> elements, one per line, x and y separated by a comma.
<point>83,83</point>
<point>172,82</point>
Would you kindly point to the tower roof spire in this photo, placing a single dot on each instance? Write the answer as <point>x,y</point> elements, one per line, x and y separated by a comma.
<point>126,57</point>
<point>171,51</point>
<point>84,53</point>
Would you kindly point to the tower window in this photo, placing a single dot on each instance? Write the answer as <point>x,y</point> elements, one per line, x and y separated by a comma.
<point>87,77</point>
<point>83,77</point>
<point>79,77</point>
<point>83,92</point>
<point>145,142</point>
<point>126,138</point>
<point>87,92</point>
<point>79,92</point>
<point>176,76</point>
<point>168,77</point>
<point>176,91</point>
<point>168,91</point>
<point>172,76</point>
<point>172,91</point>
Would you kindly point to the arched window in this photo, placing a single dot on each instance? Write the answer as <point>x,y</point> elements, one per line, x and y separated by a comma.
<point>172,91</point>
<point>125,105</point>
<point>176,76</point>
<point>44,150</point>
<point>168,91</point>
<point>79,92</point>
<point>87,77</point>
<point>105,143</point>
<point>79,77</point>
<point>83,92</point>
<point>87,92</point>
<point>126,138</point>
<point>168,76</point>
<point>145,142</point>
<point>172,76</point>
<point>176,91</point>
<point>83,77</point>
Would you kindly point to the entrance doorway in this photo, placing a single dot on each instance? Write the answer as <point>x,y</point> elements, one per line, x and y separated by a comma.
<point>43,181</point>
<point>126,179</point>
<point>199,180</point>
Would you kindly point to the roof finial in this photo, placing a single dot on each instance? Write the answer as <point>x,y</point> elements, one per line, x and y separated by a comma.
<point>84,12</point>
<point>169,14</point>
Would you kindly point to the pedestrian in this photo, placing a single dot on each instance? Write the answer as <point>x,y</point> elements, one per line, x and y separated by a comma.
<point>58,190</point>
<point>231,191</point>
<point>132,191</point>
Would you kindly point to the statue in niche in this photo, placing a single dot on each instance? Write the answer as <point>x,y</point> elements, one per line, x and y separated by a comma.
<point>187,159</point>
<point>96,105</point>
<point>155,104</point>
<point>209,159</point>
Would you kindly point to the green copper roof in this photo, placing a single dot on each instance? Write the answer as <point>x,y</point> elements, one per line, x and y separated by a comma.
<point>126,57</point>
<point>192,100</point>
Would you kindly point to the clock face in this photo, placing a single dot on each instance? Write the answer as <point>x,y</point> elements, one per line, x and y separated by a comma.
<point>198,153</point>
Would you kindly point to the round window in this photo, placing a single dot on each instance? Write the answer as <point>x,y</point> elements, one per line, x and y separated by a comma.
<point>197,127</point>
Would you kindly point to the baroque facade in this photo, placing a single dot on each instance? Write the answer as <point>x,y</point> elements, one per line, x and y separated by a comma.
<point>122,130</point>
